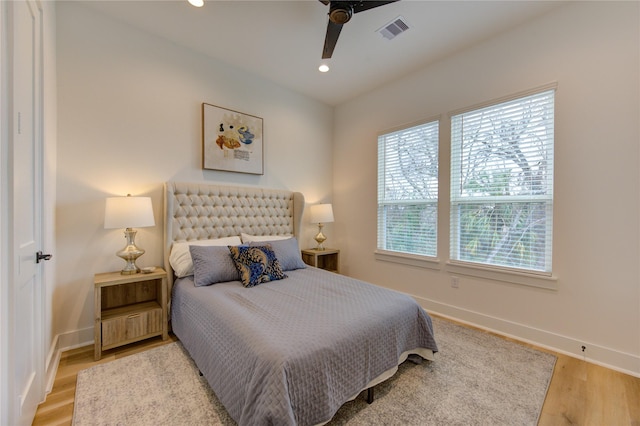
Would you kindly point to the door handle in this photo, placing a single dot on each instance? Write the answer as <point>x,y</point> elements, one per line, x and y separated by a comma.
<point>40,256</point>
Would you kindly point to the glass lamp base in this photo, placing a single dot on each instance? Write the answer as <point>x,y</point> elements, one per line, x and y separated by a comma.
<point>320,238</point>
<point>130,253</point>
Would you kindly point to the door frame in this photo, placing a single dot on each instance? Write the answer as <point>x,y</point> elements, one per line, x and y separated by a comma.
<point>4,210</point>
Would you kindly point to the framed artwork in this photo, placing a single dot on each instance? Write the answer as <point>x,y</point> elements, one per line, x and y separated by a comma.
<point>231,141</point>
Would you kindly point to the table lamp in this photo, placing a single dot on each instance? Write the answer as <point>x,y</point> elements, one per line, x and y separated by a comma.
<point>321,214</point>
<point>129,212</point>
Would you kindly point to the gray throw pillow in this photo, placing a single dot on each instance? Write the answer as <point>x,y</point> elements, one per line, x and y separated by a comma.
<point>287,252</point>
<point>212,264</point>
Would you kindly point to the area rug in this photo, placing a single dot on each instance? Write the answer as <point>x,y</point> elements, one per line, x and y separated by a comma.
<point>476,379</point>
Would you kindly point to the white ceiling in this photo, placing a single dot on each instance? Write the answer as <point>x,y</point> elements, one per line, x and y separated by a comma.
<point>282,40</point>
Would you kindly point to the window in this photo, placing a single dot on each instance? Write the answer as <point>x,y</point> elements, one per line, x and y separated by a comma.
<point>408,190</point>
<point>502,184</point>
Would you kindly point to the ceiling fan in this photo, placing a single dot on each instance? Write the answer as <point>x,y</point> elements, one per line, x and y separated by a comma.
<point>340,12</point>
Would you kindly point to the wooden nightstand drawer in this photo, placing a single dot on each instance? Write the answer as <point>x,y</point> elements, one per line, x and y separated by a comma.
<point>125,325</point>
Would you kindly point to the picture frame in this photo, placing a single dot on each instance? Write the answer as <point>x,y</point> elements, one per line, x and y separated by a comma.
<point>231,140</point>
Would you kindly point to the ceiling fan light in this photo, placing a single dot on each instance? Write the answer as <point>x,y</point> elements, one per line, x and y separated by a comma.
<point>196,3</point>
<point>323,68</point>
<point>340,13</point>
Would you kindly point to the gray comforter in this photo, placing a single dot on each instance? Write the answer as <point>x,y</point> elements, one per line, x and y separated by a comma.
<point>293,351</point>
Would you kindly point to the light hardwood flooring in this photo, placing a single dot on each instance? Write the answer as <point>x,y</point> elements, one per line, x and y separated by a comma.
<point>580,393</point>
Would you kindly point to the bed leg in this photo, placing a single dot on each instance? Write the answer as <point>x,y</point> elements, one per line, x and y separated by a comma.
<point>370,395</point>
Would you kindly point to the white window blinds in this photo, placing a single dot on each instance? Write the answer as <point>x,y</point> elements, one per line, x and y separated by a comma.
<point>408,190</point>
<point>502,183</point>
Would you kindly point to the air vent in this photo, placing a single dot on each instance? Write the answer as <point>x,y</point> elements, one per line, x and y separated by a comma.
<point>393,28</point>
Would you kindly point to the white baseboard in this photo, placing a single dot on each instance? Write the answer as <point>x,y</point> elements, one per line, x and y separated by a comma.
<point>51,365</point>
<point>76,339</point>
<point>64,342</point>
<point>595,354</point>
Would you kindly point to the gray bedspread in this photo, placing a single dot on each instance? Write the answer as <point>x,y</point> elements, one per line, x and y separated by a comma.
<point>291,352</point>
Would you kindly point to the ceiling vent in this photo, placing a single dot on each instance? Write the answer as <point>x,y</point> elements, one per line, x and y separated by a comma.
<point>393,28</point>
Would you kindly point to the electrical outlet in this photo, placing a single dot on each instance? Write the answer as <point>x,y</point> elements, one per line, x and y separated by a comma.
<point>455,282</point>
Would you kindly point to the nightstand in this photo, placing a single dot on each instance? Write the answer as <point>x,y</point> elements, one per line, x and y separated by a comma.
<point>129,308</point>
<point>328,259</point>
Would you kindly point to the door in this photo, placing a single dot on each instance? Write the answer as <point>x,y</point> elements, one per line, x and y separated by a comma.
<point>26,358</point>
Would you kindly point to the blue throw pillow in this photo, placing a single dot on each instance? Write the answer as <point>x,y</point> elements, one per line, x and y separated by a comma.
<point>256,264</point>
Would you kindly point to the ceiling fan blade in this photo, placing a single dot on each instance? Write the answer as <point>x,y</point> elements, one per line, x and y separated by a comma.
<point>333,32</point>
<point>359,6</point>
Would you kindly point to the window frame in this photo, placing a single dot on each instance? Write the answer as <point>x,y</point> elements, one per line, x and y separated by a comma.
<point>517,275</point>
<point>497,274</point>
<point>408,258</point>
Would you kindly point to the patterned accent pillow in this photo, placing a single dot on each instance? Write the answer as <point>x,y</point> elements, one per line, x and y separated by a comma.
<point>256,265</point>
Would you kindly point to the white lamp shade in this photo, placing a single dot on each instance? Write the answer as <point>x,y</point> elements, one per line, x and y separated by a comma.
<point>128,212</point>
<point>321,213</point>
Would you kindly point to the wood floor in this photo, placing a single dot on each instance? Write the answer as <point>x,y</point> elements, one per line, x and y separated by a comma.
<point>580,393</point>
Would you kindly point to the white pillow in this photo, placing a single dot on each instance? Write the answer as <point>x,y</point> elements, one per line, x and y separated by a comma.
<point>246,238</point>
<point>180,258</point>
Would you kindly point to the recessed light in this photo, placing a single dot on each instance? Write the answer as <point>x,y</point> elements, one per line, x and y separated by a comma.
<point>323,68</point>
<point>197,3</point>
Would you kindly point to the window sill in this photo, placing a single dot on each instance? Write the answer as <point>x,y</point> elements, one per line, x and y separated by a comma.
<point>408,259</point>
<point>532,279</point>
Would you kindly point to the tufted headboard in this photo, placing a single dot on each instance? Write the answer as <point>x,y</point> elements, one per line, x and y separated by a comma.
<point>196,211</point>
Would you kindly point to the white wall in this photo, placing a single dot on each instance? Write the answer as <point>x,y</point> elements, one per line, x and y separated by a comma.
<point>591,49</point>
<point>129,119</point>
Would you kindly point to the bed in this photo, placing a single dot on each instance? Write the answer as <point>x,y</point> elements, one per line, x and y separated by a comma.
<point>293,349</point>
